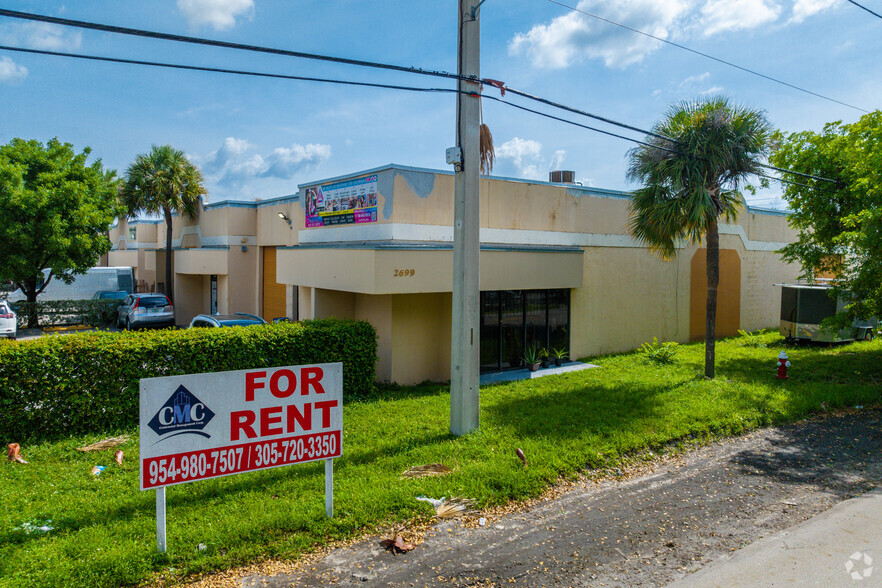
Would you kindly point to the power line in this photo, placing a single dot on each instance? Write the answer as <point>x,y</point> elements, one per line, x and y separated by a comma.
<point>867,9</point>
<point>403,88</point>
<point>707,56</point>
<point>223,70</point>
<point>225,44</point>
<point>314,56</point>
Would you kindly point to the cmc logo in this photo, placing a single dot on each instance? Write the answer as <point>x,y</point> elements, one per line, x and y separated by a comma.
<point>182,413</point>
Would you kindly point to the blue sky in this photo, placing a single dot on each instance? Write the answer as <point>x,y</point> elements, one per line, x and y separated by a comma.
<point>259,138</point>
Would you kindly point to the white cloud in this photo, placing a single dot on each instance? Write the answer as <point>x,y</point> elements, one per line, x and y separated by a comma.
<point>234,165</point>
<point>525,156</point>
<point>692,81</point>
<point>734,15</point>
<point>573,37</point>
<point>802,9</point>
<point>219,14</point>
<point>41,35</point>
<point>11,71</point>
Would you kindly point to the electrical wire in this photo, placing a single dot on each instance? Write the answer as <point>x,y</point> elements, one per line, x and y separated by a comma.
<point>707,56</point>
<point>393,87</point>
<point>876,14</point>
<point>347,61</point>
<point>225,44</point>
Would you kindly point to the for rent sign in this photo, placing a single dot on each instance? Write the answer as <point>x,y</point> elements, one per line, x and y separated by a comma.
<point>202,426</point>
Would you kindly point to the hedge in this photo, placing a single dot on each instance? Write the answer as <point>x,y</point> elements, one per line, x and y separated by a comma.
<point>94,313</point>
<point>54,387</point>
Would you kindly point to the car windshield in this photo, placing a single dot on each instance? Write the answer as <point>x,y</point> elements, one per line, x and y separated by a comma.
<point>112,295</point>
<point>152,301</point>
<point>238,322</point>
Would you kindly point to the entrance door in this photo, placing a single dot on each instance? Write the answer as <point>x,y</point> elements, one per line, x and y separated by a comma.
<point>273,292</point>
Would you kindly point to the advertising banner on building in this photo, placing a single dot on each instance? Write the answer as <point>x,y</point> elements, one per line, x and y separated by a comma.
<point>342,203</point>
<point>200,426</point>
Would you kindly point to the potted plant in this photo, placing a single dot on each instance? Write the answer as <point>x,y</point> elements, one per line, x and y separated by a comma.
<point>559,354</point>
<point>543,357</point>
<point>532,358</point>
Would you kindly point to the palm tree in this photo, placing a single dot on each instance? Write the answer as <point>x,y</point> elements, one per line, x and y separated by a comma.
<point>690,168</point>
<point>163,182</point>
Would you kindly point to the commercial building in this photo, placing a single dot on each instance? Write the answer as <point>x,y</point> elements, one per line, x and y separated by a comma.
<point>558,267</point>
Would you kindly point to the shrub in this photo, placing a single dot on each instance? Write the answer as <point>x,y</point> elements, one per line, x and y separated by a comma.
<point>89,382</point>
<point>94,313</point>
<point>748,339</point>
<point>660,353</point>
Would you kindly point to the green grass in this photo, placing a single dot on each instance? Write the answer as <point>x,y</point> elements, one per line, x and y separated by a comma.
<point>104,527</point>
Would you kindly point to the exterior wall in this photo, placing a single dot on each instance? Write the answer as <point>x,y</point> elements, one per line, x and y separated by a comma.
<point>534,235</point>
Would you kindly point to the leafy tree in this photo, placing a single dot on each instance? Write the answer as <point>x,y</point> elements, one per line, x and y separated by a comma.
<point>840,222</point>
<point>690,169</point>
<point>163,182</point>
<point>54,214</point>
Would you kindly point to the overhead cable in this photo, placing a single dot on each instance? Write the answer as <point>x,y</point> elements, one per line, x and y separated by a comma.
<point>876,14</point>
<point>401,88</point>
<point>707,56</point>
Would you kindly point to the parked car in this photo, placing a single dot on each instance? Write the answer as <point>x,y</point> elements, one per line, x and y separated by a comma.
<point>8,321</point>
<point>145,310</point>
<point>239,319</point>
<point>110,295</point>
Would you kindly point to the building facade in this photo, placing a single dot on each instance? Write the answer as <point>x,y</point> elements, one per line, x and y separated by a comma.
<point>558,268</point>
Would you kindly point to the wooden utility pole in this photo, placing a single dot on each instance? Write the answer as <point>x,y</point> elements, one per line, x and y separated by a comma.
<point>465,336</point>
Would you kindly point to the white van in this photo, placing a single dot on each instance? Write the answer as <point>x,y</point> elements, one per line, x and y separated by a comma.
<point>84,286</point>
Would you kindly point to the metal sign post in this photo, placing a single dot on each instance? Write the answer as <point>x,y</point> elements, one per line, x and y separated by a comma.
<point>201,426</point>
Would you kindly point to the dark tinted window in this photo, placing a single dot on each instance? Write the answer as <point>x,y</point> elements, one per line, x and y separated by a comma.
<point>239,322</point>
<point>788,304</point>
<point>815,306</point>
<point>152,301</point>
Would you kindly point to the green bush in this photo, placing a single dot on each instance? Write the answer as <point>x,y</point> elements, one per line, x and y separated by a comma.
<point>57,386</point>
<point>95,313</point>
<point>661,353</point>
<point>748,339</point>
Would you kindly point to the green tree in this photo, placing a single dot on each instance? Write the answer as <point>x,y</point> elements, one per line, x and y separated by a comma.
<point>690,169</point>
<point>54,214</point>
<point>840,222</point>
<point>164,182</point>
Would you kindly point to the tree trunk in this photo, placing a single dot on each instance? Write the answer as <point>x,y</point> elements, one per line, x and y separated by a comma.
<point>168,254</point>
<point>713,281</point>
<point>30,292</point>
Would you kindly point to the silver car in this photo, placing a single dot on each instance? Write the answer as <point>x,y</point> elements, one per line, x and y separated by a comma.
<point>8,324</point>
<point>145,310</point>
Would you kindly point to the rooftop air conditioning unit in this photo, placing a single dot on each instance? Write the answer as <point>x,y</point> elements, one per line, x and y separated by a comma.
<point>562,177</point>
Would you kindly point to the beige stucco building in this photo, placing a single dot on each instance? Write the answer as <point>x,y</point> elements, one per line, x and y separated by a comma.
<point>558,268</point>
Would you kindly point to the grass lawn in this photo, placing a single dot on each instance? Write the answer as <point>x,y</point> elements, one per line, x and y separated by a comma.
<point>103,527</point>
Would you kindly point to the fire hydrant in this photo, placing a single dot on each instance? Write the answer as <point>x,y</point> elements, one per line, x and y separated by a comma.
<point>783,364</point>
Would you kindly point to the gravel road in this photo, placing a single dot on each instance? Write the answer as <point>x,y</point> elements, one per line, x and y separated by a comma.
<point>647,530</point>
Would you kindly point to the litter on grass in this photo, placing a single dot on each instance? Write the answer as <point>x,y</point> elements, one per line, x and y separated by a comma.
<point>435,502</point>
<point>119,456</point>
<point>431,469</point>
<point>105,444</point>
<point>96,470</point>
<point>455,507</point>
<point>31,528</point>
<point>13,453</point>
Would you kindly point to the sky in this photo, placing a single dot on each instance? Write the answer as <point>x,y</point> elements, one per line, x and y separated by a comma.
<point>260,138</point>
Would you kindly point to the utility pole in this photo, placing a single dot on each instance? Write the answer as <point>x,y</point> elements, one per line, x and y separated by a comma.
<point>465,336</point>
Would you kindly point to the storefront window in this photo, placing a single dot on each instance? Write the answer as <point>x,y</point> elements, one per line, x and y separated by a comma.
<point>512,320</point>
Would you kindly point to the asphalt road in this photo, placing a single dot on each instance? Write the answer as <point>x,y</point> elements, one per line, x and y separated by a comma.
<point>649,530</point>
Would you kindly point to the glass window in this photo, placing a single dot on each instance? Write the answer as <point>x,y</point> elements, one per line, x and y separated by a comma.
<point>132,233</point>
<point>489,330</point>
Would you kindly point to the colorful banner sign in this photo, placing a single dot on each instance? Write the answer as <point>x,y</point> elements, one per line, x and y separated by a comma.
<point>342,203</point>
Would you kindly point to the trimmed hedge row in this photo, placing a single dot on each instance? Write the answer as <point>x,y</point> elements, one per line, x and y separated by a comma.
<point>88,383</point>
<point>95,313</point>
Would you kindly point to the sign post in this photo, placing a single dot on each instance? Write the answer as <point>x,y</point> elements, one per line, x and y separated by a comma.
<point>201,426</point>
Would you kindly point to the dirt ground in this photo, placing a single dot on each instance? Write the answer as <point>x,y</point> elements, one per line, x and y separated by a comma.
<point>646,530</point>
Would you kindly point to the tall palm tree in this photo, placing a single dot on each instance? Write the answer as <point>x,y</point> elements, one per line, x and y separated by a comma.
<point>163,181</point>
<point>690,168</point>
